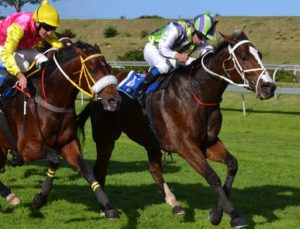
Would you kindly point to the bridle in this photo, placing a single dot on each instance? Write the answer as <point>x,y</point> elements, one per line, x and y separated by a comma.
<point>237,66</point>
<point>84,72</point>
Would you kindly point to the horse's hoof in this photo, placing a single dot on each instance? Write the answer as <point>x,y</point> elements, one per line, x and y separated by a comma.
<point>111,214</point>
<point>15,160</point>
<point>178,210</point>
<point>215,216</point>
<point>239,222</point>
<point>39,200</point>
<point>13,200</point>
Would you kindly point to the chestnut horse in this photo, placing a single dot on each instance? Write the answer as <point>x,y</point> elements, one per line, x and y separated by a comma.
<point>50,117</point>
<point>186,119</point>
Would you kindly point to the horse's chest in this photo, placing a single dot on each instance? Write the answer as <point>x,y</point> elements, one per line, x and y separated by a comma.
<point>210,126</point>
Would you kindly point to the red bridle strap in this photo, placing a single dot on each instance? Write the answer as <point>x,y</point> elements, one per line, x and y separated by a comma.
<point>198,100</point>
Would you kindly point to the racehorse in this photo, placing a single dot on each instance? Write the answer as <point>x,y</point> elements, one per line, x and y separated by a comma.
<point>186,119</point>
<point>48,127</point>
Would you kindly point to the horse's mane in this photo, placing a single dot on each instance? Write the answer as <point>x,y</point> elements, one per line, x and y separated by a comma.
<point>67,52</point>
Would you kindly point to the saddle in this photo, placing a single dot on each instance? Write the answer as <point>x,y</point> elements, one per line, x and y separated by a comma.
<point>134,79</point>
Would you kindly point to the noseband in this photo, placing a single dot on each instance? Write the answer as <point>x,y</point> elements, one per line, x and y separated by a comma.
<point>237,66</point>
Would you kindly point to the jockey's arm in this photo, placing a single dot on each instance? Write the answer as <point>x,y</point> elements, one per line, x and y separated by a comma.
<point>14,35</point>
<point>204,48</point>
<point>167,41</point>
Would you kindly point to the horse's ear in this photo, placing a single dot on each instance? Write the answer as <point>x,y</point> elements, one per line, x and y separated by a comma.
<point>243,34</point>
<point>227,39</point>
<point>97,47</point>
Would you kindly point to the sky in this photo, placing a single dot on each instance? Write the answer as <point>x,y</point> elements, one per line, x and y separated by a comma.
<point>130,9</point>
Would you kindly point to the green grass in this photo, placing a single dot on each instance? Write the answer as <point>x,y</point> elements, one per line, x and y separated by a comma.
<point>266,190</point>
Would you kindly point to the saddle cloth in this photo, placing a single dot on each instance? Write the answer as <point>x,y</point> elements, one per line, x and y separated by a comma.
<point>6,84</point>
<point>131,83</point>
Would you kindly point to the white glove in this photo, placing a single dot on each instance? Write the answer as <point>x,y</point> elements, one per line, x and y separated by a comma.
<point>39,59</point>
<point>207,49</point>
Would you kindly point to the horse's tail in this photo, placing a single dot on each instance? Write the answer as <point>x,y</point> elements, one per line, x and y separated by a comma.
<point>81,120</point>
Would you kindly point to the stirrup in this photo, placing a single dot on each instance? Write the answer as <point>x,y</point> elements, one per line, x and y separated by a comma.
<point>142,98</point>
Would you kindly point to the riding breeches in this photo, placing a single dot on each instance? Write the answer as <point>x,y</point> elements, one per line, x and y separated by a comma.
<point>24,57</point>
<point>164,65</point>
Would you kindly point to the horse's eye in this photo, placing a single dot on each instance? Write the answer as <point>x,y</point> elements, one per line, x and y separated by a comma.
<point>92,70</point>
<point>244,57</point>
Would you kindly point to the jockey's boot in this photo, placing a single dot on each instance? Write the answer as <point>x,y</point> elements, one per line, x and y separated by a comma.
<point>141,90</point>
<point>16,158</point>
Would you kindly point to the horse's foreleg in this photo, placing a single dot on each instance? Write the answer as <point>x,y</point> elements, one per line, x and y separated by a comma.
<point>219,153</point>
<point>104,151</point>
<point>156,170</point>
<point>10,197</point>
<point>71,153</point>
<point>53,159</point>
<point>5,192</point>
<point>197,160</point>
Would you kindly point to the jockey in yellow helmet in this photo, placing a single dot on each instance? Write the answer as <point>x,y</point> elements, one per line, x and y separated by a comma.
<point>20,33</point>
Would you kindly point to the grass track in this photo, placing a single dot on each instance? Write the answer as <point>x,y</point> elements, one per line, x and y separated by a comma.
<point>266,190</point>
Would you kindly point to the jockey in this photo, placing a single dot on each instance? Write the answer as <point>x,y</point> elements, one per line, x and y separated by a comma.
<point>172,45</point>
<point>19,34</point>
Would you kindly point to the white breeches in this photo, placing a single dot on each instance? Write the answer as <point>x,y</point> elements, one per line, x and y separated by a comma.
<point>164,65</point>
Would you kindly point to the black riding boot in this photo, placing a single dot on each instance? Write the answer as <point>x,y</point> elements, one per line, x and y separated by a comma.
<point>16,159</point>
<point>141,90</point>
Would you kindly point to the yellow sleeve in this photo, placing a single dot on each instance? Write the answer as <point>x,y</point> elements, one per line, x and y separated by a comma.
<point>53,40</point>
<point>14,35</point>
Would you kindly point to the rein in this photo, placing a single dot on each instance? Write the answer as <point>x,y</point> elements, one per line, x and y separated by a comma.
<point>83,72</point>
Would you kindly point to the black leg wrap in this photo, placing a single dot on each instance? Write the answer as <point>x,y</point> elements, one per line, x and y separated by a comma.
<point>232,165</point>
<point>4,191</point>
<point>102,198</point>
<point>52,156</point>
<point>47,185</point>
<point>224,201</point>
<point>213,180</point>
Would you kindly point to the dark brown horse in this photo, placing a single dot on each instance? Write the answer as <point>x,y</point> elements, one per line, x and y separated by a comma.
<point>50,119</point>
<point>187,119</point>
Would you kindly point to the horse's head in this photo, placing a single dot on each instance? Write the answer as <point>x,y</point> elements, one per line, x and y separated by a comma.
<point>91,74</point>
<point>244,66</point>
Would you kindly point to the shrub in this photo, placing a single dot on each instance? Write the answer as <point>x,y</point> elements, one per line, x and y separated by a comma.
<point>150,16</point>
<point>67,33</point>
<point>143,34</point>
<point>110,32</point>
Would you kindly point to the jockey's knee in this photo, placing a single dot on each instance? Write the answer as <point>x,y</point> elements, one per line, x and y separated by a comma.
<point>163,68</point>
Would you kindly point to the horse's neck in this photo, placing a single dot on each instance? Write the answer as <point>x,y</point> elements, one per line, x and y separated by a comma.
<point>56,89</point>
<point>210,87</point>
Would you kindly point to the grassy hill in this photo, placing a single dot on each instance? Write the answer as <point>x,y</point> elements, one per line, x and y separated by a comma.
<point>278,38</point>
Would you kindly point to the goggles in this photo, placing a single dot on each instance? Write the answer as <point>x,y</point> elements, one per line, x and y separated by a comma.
<point>47,27</point>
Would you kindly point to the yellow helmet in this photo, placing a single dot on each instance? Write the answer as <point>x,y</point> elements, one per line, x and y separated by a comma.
<point>46,13</point>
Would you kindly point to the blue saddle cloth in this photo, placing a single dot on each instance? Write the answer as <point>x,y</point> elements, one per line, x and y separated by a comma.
<point>131,83</point>
<point>6,84</point>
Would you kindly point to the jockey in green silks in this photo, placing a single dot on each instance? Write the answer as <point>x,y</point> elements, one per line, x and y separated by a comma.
<point>172,45</point>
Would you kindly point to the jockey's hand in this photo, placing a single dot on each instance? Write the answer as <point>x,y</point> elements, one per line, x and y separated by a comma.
<point>182,57</point>
<point>22,80</point>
